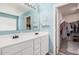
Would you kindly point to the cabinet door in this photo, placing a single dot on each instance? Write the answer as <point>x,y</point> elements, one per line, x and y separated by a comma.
<point>26,51</point>
<point>37,46</point>
<point>44,45</point>
<point>37,51</point>
<point>0,51</point>
<point>13,49</point>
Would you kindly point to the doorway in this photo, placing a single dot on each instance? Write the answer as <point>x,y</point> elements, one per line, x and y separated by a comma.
<point>67,41</point>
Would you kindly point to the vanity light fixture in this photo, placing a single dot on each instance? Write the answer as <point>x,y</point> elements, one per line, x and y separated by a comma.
<point>30,5</point>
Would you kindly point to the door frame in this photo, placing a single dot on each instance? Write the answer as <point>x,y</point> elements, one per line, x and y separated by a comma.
<point>57,27</point>
<point>57,36</point>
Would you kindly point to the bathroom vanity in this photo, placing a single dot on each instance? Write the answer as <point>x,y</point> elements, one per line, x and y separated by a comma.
<point>25,44</point>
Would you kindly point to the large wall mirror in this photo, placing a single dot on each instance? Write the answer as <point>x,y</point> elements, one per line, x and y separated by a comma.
<point>19,17</point>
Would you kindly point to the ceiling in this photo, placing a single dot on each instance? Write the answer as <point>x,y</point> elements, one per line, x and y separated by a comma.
<point>14,8</point>
<point>69,9</point>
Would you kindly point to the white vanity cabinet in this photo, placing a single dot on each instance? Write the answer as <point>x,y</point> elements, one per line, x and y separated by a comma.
<point>35,45</point>
<point>19,48</point>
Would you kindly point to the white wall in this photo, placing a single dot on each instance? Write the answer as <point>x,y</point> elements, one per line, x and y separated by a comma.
<point>71,18</point>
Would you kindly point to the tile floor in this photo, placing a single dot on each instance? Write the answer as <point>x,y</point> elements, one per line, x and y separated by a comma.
<point>68,47</point>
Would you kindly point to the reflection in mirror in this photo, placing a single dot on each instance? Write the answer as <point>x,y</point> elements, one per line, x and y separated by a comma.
<point>8,22</point>
<point>32,18</point>
<point>28,22</point>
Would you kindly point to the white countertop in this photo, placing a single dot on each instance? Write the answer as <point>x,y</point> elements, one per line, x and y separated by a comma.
<point>6,40</point>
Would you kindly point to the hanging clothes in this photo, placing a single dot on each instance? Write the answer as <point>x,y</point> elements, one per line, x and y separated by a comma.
<point>70,29</point>
<point>78,28</point>
<point>74,28</point>
<point>63,30</point>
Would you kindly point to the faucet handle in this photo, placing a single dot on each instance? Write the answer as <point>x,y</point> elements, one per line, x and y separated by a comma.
<point>16,36</point>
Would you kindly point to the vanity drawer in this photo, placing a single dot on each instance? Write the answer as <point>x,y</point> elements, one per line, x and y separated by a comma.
<point>37,43</point>
<point>16,47</point>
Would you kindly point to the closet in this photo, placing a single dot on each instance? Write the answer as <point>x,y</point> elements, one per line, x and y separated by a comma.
<point>68,29</point>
